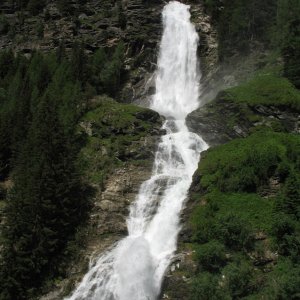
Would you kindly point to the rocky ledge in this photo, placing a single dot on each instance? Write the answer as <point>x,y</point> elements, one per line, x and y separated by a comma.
<point>221,120</point>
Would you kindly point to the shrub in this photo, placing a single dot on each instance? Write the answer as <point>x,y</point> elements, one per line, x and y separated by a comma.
<point>4,25</point>
<point>206,287</point>
<point>235,232</point>
<point>247,164</point>
<point>35,6</point>
<point>284,281</point>
<point>287,235</point>
<point>211,256</point>
<point>238,277</point>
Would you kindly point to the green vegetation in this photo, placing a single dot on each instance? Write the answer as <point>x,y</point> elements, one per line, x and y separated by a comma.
<point>4,25</point>
<point>273,24</point>
<point>35,6</point>
<point>42,99</point>
<point>114,127</point>
<point>266,89</point>
<point>232,214</point>
<point>239,22</point>
<point>245,165</point>
<point>288,38</point>
<point>267,100</point>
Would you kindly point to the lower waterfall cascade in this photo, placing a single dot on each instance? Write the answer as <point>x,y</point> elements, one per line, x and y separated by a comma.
<point>134,268</point>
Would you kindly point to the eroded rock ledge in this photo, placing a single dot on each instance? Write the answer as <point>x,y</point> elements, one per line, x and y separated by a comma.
<point>221,121</point>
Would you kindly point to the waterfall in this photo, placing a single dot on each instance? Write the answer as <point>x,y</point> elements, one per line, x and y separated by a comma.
<point>134,268</point>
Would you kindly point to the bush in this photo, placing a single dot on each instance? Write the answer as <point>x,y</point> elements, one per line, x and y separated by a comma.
<point>289,200</point>
<point>235,232</point>
<point>284,281</point>
<point>238,278</point>
<point>207,287</point>
<point>287,235</point>
<point>211,256</point>
<point>35,6</point>
<point>4,25</point>
<point>246,164</point>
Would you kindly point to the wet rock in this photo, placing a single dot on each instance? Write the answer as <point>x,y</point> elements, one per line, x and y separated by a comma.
<point>221,120</point>
<point>176,282</point>
<point>148,115</point>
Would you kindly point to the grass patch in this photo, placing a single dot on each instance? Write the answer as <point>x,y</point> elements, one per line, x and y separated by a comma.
<point>266,89</point>
<point>230,213</point>
<point>244,165</point>
<point>250,208</point>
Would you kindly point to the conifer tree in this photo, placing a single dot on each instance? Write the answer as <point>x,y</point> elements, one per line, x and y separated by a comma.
<point>44,206</point>
<point>111,73</point>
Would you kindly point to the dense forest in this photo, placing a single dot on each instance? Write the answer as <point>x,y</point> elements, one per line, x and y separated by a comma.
<point>43,97</point>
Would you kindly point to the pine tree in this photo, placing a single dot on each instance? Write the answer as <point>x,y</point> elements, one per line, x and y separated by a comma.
<point>291,54</point>
<point>290,203</point>
<point>111,73</point>
<point>44,206</point>
<point>78,63</point>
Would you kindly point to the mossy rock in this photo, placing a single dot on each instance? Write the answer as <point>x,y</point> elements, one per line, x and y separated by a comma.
<point>116,133</point>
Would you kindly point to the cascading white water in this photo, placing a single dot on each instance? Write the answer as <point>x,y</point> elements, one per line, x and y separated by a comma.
<point>134,268</point>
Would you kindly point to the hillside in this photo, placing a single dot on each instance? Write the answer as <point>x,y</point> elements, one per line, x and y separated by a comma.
<point>76,143</point>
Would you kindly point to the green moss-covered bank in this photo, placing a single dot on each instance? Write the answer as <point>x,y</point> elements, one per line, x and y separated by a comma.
<point>243,233</point>
<point>115,134</point>
<point>265,100</point>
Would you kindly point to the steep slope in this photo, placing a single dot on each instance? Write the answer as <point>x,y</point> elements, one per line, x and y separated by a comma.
<point>241,226</point>
<point>102,24</point>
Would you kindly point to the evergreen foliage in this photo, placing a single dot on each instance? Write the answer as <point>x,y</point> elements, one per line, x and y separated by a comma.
<point>239,22</point>
<point>23,82</point>
<point>35,6</point>
<point>42,100</point>
<point>45,199</point>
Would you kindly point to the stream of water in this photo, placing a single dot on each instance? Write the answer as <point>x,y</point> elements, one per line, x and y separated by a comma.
<point>135,267</point>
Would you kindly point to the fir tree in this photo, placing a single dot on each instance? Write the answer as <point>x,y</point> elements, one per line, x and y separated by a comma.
<point>44,206</point>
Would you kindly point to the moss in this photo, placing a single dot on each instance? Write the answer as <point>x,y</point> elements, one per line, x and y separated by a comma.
<point>118,116</point>
<point>266,89</point>
<point>114,128</point>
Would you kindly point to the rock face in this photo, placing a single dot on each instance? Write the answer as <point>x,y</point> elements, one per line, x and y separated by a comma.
<point>107,223</point>
<point>220,121</point>
<point>102,24</point>
<point>96,24</point>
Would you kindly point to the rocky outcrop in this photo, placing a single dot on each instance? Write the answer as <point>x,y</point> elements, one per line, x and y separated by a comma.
<point>102,24</point>
<point>221,120</point>
<point>95,24</point>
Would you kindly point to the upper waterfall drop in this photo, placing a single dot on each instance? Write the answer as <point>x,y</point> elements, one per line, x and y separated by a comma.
<point>134,268</point>
<point>177,81</point>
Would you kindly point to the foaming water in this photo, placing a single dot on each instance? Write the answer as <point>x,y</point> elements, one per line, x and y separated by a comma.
<point>134,268</point>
